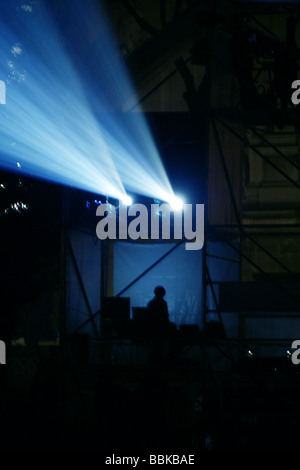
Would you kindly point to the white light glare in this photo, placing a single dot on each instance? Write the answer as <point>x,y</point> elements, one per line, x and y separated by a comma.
<point>55,126</point>
<point>127,200</point>
<point>176,203</point>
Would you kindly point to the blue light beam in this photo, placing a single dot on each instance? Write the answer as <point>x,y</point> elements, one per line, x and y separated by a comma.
<point>63,118</point>
<point>47,129</point>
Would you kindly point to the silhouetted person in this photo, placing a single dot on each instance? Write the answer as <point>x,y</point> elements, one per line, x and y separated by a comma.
<point>158,307</point>
<point>158,322</point>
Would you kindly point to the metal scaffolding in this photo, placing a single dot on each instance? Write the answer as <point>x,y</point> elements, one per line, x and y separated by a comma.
<point>198,99</point>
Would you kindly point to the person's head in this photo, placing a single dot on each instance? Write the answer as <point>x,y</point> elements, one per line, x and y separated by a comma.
<point>159,292</point>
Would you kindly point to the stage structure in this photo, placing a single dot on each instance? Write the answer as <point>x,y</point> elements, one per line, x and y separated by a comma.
<point>237,67</point>
<point>232,74</point>
<point>99,269</point>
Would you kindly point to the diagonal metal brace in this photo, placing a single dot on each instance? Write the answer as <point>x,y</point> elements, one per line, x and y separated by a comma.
<point>82,288</point>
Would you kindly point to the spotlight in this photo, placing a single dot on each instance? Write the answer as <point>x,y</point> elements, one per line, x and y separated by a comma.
<point>176,203</point>
<point>126,200</point>
<point>63,129</point>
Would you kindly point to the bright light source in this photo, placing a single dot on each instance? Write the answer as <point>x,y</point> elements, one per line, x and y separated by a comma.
<point>176,204</point>
<point>127,200</point>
